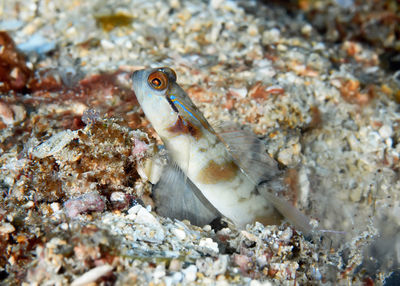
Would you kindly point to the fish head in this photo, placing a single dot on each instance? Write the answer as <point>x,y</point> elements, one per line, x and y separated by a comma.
<point>153,84</point>
<point>152,88</point>
<point>166,104</point>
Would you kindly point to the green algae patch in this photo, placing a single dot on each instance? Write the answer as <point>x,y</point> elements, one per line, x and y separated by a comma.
<point>112,21</point>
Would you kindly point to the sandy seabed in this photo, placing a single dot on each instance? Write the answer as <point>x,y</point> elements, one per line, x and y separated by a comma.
<point>317,81</point>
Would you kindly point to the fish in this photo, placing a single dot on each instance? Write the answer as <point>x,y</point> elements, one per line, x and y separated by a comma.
<point>211,174</point>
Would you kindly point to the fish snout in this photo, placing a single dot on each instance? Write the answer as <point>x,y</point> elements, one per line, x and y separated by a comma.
<point>136,75</point>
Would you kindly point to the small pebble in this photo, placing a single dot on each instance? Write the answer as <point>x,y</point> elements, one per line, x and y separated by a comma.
<point>6,228</point>
<point>92,275</point>
<point>306,30</point>
<point>190,273</point>
<point>6,113</point>
<point>385,131</point>
<point>179,233</point>
<point>177,277</point>
<point>208,243</point>
<point>85,203</point>
<point>175,265</point>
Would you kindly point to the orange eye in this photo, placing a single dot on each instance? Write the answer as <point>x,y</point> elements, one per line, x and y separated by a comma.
<point>158,80</point>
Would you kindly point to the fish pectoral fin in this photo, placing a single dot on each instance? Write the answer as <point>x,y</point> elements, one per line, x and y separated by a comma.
<point>177,197</point>
<point>249,152</point>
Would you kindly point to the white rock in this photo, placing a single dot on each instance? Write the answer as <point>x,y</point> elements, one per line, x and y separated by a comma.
<point>385,131</point>
<point>7,228</point>
<point>132,212</point>
<point>319,46</point>
<point>220,265</point>
<point>159,272</point>
<point>144,217</point>
<point>241,92</point>
<point>255,283</point>
<point>92,275</point>
<point>258,283</point>
<point>306,30</point>
<point>6,113</point>
<point>216,4</point>
<point>286,234</point>
<point>107,44</point>
<point>19,113</point>
<point>179,233</point>
<point>55,207</point>
<point>11,25</point>
<point>270,36</point>
<point>28,205</point>
<point>54,144</point>
<point>117,197</point>
<point>64,226</point>
<point>282,48</point>
<point>37,44</point>
<point>286,156</point>
<point>190,273</point>
<point>147,227</point>
<point>177,277</point>
<point>222,282</point>
<point>209,244</point>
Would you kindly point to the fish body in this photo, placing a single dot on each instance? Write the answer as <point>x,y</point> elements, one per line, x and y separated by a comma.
<point>193,145</point>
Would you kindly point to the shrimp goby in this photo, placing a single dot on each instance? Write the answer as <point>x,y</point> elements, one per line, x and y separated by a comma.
<point>209,175</point>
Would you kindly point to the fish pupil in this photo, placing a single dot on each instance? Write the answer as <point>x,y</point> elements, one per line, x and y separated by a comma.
<point>156,82</point>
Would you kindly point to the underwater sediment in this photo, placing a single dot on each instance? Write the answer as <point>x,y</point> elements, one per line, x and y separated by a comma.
<point>317,81</point>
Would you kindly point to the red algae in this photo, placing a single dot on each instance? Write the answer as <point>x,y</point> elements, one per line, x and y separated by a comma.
<point>14,74</point>
<point>45,81</point>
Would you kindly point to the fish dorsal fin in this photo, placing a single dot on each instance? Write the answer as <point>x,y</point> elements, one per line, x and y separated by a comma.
<point>249,152</point>
<point>177,197</point>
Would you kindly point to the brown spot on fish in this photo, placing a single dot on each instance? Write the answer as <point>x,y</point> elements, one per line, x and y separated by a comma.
<point>214,173</point>
<point>182,126</point>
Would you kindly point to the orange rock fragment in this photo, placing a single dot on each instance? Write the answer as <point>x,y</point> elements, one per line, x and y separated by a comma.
<point>6,113</point>
<point>262,92</point>
<point>199,94</point>
<point>302,69</point>
<point>350,91</point>
<point>258,91</point>
<point>14,74</point>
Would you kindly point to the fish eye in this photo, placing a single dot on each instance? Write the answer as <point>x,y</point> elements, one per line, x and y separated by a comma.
<point>158,80</point>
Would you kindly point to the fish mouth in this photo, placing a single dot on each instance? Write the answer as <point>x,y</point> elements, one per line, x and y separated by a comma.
<point>138,78</point>
<point>137,75</point>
